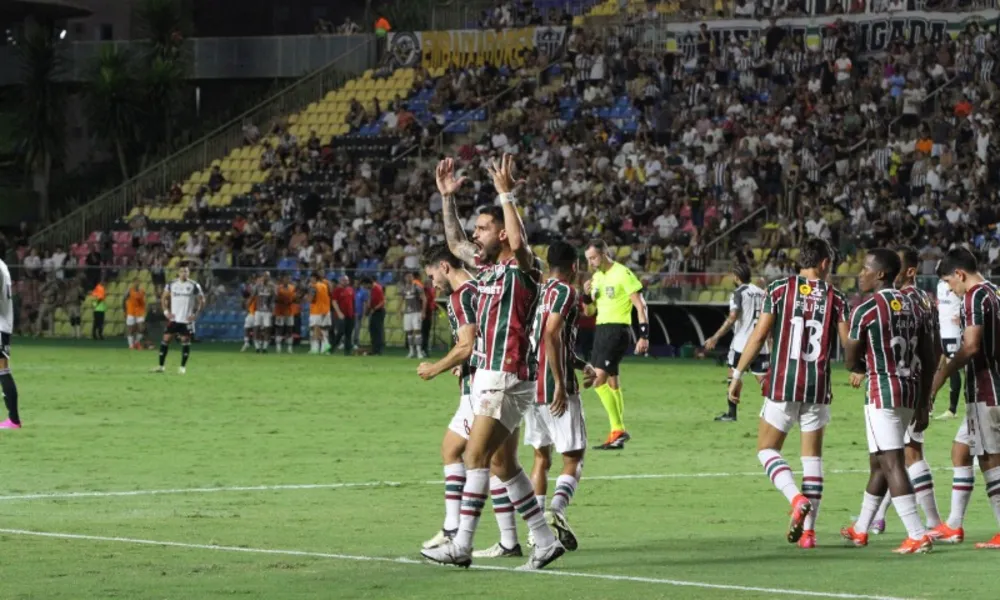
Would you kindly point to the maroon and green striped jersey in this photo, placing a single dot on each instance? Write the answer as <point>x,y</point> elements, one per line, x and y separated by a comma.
<point>981,308</point>
<point>556,297</point>
<point>806,315</point>
<point>507,296</point>
<point>926,306</point>
<point>462,312</point>
<point>891,327</point>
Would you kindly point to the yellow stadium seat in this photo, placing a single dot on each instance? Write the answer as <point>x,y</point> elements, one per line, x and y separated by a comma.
<point>704,296</point>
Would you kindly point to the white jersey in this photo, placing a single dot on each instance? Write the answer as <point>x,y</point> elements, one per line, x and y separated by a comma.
<point>184,299</point>
<point>748,300</point>
<point>949,306</point>
<point>6,300</point>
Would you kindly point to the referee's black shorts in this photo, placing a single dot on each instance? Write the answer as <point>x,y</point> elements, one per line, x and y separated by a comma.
<point>611,342</point>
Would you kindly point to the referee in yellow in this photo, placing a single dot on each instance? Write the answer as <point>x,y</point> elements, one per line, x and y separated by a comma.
<point>615,289</point>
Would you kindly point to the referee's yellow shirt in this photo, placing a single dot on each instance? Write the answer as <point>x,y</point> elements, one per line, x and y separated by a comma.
<point>611,290</point>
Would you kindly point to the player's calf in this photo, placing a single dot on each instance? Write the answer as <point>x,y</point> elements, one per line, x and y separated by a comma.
<point>10,398</point>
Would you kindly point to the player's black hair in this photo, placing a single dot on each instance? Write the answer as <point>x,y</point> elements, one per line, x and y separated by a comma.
<point>561,257</point>
<point>742,272</point>
<point>599,245</point>
<point>959,258</point>
<point>887,261</point>
<point>814,251</point>
<point>441,253</point>
<point>365,280</point>
<point>909,257</point>
<point>496,212</point>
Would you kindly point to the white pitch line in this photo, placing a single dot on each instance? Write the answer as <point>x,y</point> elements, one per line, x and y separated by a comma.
<point>335,486</point>
<point>410,561</point>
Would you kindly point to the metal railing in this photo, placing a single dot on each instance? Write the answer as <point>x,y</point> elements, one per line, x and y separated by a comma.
<point>726,235</point>
<point>103,211</point>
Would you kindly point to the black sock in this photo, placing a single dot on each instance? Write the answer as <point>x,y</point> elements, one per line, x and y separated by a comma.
<point>185,352</point>
<point>10,395</point>
<point>732,409</point>
<point>164,348</point>
<point>956,391</point>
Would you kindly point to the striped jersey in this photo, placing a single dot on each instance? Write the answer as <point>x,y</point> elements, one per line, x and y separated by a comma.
<point>981,308</point>
<point>928,309</point>
<point>556,297</point>
<point>890,326</point>
<point>507,296</point>
<point>748,300</point>
<point>806,315</point>
<point>461,312</point>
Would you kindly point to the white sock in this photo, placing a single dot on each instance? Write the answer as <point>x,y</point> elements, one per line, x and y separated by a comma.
<point>277,342</point>
<point>779,472</point>
<point>992,478</point>
<point>906,508</point>
<point>138,338</point>
<point>477,484</point>
<point>812,487</point>
<point>869,506</point>
<point>541,501</point>
<point>131,341</point>
<point>246,340</point>
<point>923,489</point>
<point>503,510</point>
<point>418,342</point>
<point>454,481</point>
<point>314,345</point>
<point>522,494</point>
<point>962,482</point>
<point>565,488</point>
<point>883,508</point>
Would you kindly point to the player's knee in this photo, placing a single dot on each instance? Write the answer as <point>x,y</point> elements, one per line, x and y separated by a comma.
<point>542,460</point>
<point>601,378</point>
<point>573,463</point>
<point>961,456</point>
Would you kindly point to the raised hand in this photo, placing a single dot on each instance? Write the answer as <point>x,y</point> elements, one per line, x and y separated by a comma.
<point>502,172</point>
<point>447,183</point>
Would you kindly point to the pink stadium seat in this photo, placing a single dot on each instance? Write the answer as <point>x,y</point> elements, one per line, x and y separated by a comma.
<point>95,236</point>
<point>153,237</point>
<point>122,237</point>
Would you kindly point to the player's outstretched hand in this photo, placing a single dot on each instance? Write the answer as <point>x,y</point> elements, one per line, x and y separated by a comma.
<point>447,183</point>
<point>710,343</point>
<point>857,379</point>
<point>426,371</point>
<point>558,405</point>
<point>641,347</point>
<point>735,388</point>
<point>589,376</point>
<point>502,172</point>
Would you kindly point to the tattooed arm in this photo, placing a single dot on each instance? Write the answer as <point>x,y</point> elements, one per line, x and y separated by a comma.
<point>447,184</point>
<point>504,182</point>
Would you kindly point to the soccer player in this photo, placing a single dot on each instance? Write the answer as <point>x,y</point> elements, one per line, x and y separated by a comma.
<point>507,280</point>
<point>411,309</point>
<point>250,303</point>
<point>949,317</point>
<point>448,274</point>
<point>615,289</point>
<point>284,319</point>
<point>894,334</point>
<point>135,313</point>
<point>806,315</point>
<point>13,420</point>
<point>319,311</point>
<point>745,305</point>
<point>557,420</point>
<point>184,300</point>
<point>916,466</point>
<point>980,355</point>
<point>264,294</point>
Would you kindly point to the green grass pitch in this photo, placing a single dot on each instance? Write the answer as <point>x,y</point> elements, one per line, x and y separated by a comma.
<point>684,512</point>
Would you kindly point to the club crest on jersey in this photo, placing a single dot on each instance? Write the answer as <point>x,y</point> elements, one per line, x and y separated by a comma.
<point>896,305</point>
<point>609,292</point>
<point>805,289</point>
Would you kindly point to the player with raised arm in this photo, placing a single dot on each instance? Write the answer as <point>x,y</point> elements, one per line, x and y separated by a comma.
<point>508,282</point>
<point>183,300</point>
<point>895,336</point>
<point>13,420</point>
<point>448,274</point>
<point>802,315</point>
<point>916,465</point>
<point>980,356</point>
<point>264,294</point>
<point>557,420</point>
<point>745,304</point>
<point>950,318</point>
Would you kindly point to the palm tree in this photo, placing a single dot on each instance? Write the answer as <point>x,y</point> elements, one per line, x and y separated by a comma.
<point>42,109</point>
<point>113,104</point>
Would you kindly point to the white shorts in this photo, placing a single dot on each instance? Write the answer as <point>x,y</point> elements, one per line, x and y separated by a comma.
<point>983,424</point>
<point>319,320</point>
<point>886,427</point>
<point>501,396</point>
<point>461,423</point>
<point>784,415</point>
<point>249,321</point>
<point>284,321</point>
<point>130,320</point>
<point>913,436</point>
<point>567,433</point>
<point>962,436</point>
<point>412,321</point>
<point>262,319</point>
